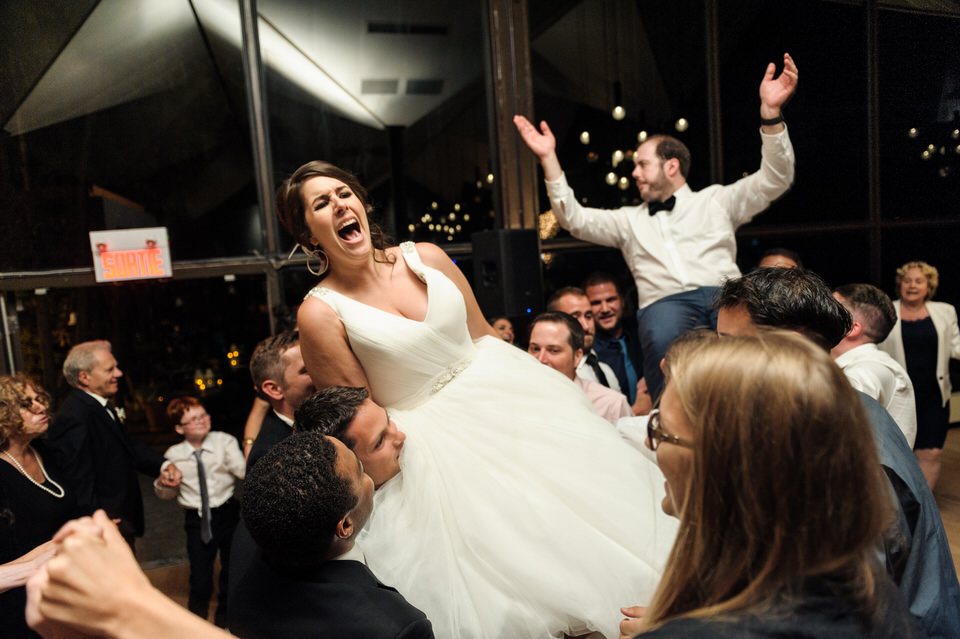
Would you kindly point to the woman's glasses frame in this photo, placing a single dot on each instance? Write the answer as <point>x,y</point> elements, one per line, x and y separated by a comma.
<point>656,434</point>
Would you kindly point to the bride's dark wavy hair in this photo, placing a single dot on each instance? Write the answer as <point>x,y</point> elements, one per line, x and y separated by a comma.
<point>292,214</point>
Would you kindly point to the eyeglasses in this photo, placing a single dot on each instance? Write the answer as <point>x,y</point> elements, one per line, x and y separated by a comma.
<point>655,434</point>
<point>196,420</point>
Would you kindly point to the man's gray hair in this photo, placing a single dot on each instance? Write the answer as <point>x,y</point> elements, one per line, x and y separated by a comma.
<point>83,357</point>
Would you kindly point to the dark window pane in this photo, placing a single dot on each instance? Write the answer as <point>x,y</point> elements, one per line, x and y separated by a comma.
<point>919,116</point>
<point>819,252</point>
<point>135,116</point>
<point>393,92</point>
<point>166,334</point>
<point>825,116</point>
<point>590,57</point>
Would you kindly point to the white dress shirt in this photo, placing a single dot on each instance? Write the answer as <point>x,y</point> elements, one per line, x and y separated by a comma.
<point>223,464</point>
<point>586,371</point>
<point>103,401</point>
<point>875,373</point>
<point>694,244</point>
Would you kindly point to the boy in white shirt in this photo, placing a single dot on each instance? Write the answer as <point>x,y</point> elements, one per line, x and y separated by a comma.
<point>211,463</point>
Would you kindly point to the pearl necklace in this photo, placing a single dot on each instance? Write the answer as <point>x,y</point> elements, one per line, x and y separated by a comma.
<point>42,470</point>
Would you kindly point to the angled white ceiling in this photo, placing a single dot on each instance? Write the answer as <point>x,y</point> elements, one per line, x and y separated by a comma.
<point>127,49</point>
<point>131,49</point>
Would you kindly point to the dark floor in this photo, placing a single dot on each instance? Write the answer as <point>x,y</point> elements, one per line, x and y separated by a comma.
<point>164,542</point>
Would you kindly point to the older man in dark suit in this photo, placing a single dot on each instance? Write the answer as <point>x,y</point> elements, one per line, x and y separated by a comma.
<point>100,461</point>
<point>297,571</point>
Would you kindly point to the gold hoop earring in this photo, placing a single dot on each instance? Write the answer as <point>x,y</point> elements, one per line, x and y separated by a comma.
<point>323,264</point>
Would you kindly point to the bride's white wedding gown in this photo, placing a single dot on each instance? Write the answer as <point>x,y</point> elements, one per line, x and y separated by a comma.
<point>519,512</point>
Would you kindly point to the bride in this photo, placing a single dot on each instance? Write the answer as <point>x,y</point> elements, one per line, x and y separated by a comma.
<point>519,512</point>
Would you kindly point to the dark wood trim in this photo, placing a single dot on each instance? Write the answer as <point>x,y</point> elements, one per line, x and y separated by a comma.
<point>871,15</point>
<point>510,91</point>
<point>714,115</point>
<point>260,141</point>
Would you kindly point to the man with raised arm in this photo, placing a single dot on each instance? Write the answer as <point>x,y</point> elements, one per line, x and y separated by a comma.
<point>679,244</point>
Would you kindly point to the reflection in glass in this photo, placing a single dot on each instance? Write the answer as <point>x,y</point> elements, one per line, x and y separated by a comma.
<point>394,92</point>
<point>919,112</point>
<point>137,118</point>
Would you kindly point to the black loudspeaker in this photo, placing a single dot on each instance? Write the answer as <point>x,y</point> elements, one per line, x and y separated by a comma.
<point>507,278</point>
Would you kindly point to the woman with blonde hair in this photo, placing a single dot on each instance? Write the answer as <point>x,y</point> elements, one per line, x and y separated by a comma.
<point>923,341</point>
<point>781,505</point>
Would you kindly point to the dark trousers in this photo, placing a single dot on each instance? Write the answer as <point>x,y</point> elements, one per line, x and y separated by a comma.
<point>665,320</point>
<point>202,556</point>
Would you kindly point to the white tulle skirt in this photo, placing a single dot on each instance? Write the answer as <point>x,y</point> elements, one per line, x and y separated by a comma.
<point>519,512</point>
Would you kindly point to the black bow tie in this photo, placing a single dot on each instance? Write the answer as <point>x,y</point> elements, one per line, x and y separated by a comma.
<point>653,207</point>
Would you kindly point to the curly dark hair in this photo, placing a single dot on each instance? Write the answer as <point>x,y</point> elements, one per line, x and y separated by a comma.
<point>294,498</point>
<point>330,411</point>
<point>789,298</point>
<point>13,397</point>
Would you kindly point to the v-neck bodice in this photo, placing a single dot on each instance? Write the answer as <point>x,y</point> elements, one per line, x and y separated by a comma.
<point>511,486</point>
<point>406,360</point>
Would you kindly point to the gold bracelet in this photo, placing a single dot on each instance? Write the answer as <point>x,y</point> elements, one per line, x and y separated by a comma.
<point>248,441</point>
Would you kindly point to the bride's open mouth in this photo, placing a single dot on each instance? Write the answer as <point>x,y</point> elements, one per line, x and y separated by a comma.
<point>350,231</point>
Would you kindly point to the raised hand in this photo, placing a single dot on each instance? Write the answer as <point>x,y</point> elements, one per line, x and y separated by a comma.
<point>775,91</point>
<point>542,143</point>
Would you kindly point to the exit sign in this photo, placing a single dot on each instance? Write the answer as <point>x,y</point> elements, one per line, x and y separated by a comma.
<point>132,254</point>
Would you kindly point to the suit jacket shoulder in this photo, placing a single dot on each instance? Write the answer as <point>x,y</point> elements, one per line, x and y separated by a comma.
<point>72,439</point>
<point>923,564</point>
<point>273,431</point>
<point>99,460</point>
<point>341,598</point>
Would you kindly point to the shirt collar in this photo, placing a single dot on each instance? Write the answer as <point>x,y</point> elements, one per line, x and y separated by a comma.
<point>101,400</point>
<point>286,420</point>
<point>852,354</point>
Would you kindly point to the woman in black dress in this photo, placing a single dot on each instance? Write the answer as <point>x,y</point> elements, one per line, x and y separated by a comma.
<point>923,340</point>
<point>33,505</point>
